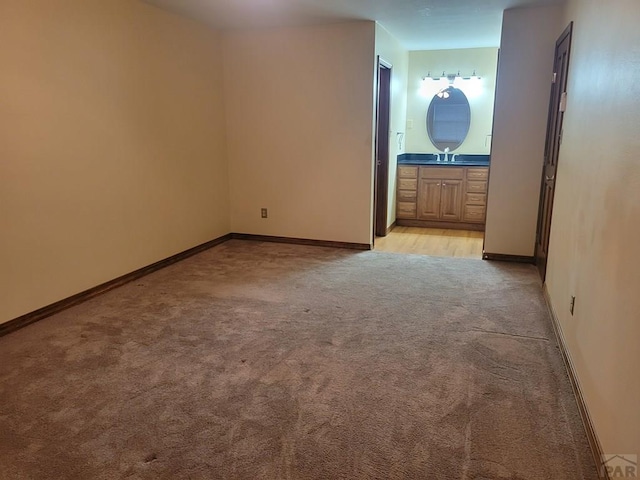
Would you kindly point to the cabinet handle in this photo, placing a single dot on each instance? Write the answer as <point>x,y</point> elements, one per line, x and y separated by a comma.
<point>444,184</point>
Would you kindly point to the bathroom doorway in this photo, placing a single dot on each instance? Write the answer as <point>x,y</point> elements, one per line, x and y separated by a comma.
<point>437,242</point>
<point>440,185</point>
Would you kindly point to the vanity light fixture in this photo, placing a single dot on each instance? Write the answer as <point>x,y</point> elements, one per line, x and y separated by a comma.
<point>473,76</point>
<point>469,83</point>
<point>431,84</point>
<point>428,79</point>
<point>443,79</point>
<point>450,78</point>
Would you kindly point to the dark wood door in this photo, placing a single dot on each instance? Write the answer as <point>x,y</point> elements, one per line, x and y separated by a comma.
<point>381,191</point>
<point>557,105</point>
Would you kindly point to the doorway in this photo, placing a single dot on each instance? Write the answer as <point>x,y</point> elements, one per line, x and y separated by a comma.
<point>441,181</point>
<point>436,242</point>
<point>381,183</point>
<point>557,103</point>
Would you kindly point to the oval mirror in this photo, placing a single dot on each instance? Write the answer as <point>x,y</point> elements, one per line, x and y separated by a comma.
<point>448,118</point>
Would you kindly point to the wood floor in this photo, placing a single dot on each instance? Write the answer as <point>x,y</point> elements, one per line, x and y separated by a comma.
<point>437,242</point>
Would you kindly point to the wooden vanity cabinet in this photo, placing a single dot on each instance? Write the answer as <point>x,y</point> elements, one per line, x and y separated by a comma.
<point>475,203</point>
<point>429,199</point>
<point>440,194</point>
<point>407,192</point>
<point>448,197</point>
<point>451,201</point>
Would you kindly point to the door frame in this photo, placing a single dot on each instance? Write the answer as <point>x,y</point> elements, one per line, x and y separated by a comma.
<point>381,149</point>
<point>551,151</point>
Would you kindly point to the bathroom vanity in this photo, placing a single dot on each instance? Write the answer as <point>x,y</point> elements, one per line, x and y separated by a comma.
<point>444,189</point>
<point>442,194</point>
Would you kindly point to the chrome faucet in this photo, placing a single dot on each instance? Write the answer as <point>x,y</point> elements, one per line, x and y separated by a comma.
<point>446,154</point>
<point>453,157</point>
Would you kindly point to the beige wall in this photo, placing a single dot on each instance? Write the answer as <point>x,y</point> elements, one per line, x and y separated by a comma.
<point>595,232</point>
<point>299,125</point>
<point>521,108</point>
<point>390,50</point>
<point>111,144</point>
<point>481,97</point>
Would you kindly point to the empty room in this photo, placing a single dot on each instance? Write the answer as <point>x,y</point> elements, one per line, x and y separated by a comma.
<point>293,239</point>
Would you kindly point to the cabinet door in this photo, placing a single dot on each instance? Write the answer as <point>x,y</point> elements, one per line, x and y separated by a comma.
<point>429,199</point>
<point>451,200</point>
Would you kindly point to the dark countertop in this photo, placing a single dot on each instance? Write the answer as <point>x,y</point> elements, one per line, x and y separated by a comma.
<point>462,160</point>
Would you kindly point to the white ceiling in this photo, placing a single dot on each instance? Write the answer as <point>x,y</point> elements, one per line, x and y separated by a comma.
<point>417,24</point>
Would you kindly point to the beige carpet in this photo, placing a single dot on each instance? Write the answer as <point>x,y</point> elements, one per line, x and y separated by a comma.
<point>268,361</point>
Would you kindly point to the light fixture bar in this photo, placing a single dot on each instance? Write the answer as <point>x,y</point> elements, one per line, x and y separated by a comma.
<point>451,77</point>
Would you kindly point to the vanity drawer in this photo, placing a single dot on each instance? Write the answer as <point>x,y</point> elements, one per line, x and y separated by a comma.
<point>407,172</point>
<point>407,184</point>
<point>477,173</point>
<point>474,213</point>
<point>475,199</point>
<point>407,195</point>
<point>476,186</point>
<point>448,173</point>
<point>406,210</point>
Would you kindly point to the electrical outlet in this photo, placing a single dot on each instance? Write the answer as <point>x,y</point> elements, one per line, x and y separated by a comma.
<point>572,304</point>
<point>264,213</point>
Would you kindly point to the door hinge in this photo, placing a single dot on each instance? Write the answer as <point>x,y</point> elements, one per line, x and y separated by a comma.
<point>563,102</point>
<point>555,76</point>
